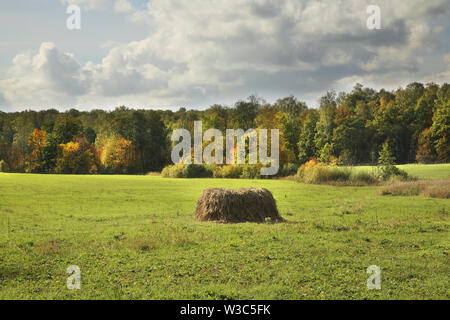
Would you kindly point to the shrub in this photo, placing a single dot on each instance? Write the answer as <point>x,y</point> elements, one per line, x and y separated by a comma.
<point>197,171</point>
<point>3,166</point>
<point>187,171</point>
<point>391,172</point>
<point>209,171</point>
<point>232,171</point>
<point>217,171</point>
<point>247,171</point>
<point>317,173</point>
<point>289,169</point>
<point>165,172</point>
<point>313,172</point>
<point>174,171</point>
<point>251,172</point>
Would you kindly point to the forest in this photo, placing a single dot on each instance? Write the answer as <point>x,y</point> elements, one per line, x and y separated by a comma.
<point>346,129</point>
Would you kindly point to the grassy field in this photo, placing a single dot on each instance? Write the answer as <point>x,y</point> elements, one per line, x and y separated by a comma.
<point>134,237</point>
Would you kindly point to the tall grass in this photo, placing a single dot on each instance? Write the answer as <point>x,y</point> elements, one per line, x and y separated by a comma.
<point>320,173</point>
<point>432,189</point>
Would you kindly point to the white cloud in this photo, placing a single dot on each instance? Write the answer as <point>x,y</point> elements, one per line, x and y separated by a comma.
<point>49,77</point>
<point>210,51</point>
<point>88,4</point>
<point>447,58</point>
<point>443,76</point>
<point>135,15</point>
<point>123,6</point>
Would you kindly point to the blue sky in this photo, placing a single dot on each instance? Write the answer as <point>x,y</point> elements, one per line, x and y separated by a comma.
<point>173,53</point>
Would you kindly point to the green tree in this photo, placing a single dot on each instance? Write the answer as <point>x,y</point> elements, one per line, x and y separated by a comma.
<point>306,145</point>
<point>386,157</point>
<point>325,127</point>
<point>245,112</point>
<point>66,129</point>
<point>440,132</point>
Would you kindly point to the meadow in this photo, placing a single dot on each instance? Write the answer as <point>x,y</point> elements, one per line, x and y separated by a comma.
<point>134,237</point>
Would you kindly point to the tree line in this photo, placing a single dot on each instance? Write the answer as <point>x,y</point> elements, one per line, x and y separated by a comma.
<point>412,123</point>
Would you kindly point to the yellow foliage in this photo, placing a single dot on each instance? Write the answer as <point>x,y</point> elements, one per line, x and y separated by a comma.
<point>76,158</point>
<point>36,144</point>
<point>119,155</point>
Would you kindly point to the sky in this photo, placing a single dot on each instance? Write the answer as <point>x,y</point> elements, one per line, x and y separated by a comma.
<point>167,54</point>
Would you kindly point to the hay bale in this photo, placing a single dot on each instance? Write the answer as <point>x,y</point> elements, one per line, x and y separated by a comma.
<point>243,205</point>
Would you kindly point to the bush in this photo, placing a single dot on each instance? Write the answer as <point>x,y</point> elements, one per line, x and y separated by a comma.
<point>251,172</point>
<point>317,173</point>
<point>217,172</point>
<point>165,172</point>
<point>232,171</point>
<point>313,172</point>
<point>3,166</point>
<point>247,171</point>
<point>187,171</point>
<point>174,171</point>
<point>289,169</point>
<point>391,172</point>
<point>386,169</point>
<point>197,171</point>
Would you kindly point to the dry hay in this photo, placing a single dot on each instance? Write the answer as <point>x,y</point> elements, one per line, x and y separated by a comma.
<point>243,205</point>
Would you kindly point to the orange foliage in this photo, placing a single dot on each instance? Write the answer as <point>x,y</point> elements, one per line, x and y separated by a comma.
<point>311,163</point>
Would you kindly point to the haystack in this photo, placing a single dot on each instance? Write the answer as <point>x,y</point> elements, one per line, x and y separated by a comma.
<point>243,205</point>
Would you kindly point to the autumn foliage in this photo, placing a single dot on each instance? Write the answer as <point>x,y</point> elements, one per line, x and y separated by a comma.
<point>36,145</point>
<point>119,155</point>
<point>346,128</point>
<point>76,157</point>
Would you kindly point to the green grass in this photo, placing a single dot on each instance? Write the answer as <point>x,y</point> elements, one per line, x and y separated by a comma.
<point>134,237</point>
<point>430,171</point>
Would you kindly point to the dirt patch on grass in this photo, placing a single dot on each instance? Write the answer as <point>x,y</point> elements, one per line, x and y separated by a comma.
<point>48,247</point>
<point>156,242</point>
